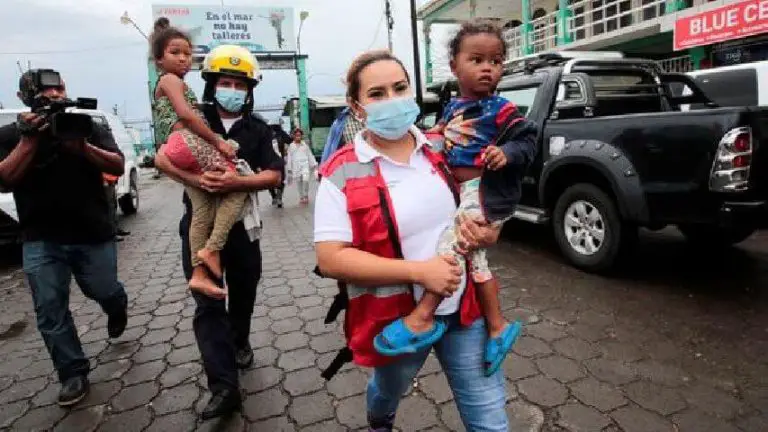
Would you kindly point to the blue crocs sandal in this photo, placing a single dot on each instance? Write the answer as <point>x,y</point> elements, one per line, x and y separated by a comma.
<point>496,349</point>
<point>397,340</point>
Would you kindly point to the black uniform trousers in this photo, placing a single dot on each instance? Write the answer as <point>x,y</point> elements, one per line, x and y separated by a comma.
<point>220,332</point>
<point>277,192</point>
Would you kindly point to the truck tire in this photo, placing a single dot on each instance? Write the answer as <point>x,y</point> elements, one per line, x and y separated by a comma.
<point>709,236</point>
<point>588,228</point>
<point>129,203</point>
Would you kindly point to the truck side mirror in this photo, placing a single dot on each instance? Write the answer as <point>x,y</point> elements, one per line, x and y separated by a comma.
<point>575,97</point>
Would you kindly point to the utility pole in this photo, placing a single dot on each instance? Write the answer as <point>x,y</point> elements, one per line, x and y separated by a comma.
<point>416,57</point>
<point>390,22</point>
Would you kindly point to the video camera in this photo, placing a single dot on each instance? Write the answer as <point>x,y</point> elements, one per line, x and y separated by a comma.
<point>63,125</point>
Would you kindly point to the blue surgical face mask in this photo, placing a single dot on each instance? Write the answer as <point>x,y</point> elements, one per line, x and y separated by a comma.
<point>391,118</point>
<point>230,99</point>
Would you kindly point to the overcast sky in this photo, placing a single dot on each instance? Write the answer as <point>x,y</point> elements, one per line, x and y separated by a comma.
<point>99,57</point>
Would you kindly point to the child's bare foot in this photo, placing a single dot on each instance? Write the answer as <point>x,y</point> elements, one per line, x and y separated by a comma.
<point>418,324</point>
<point>201,283</point>
<point>212,260</point>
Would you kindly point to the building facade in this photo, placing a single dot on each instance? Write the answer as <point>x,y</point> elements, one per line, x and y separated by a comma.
<point>683,35</point>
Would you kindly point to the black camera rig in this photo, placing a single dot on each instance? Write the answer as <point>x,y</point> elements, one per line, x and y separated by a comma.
<point>63,125</point>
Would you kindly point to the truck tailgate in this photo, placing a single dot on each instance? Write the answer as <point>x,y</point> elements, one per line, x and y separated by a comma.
<point>757,119</point>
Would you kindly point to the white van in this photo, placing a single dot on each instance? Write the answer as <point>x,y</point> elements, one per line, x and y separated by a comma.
<point>127,185</point>
<point>738,85</point>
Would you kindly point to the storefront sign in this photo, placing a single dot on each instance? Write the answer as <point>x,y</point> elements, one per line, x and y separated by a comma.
<point>746,18</point>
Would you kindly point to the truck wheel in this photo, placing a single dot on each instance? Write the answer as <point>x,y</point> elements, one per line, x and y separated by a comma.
<point>714,236</point>
<point>129,203</point>
<point>589,229</point>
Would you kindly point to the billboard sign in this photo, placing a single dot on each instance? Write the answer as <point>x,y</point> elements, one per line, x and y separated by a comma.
<point>260,29</point>
<point>733,21</point>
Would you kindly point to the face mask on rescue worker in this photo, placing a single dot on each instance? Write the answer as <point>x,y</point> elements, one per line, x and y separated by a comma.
<point>231,99</point>
<point>391,118</point>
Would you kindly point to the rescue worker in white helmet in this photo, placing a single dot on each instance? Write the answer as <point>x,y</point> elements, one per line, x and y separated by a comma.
<point>230,72</point>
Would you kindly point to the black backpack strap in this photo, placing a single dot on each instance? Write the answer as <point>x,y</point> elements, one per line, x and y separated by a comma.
<point>344,356</point>
<point>390,221</point>
<point>340,302</point>
<point>452,184</point>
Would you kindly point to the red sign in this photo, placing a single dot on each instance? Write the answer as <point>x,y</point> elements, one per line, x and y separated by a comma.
<point>746,18</point>
<point>173,11</point>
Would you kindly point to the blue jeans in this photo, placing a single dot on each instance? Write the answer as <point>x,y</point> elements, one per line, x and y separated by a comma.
<point>49,268</point>
<point>480,399</point>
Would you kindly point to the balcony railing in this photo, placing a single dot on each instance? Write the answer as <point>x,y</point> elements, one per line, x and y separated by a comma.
<point>544,34</point>
<point>592,18</point>
<point>588,19</point>
<point>514,41</point>
<point>679,64</point>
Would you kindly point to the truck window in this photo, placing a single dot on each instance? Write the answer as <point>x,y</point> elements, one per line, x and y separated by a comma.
<point>522,97</point>
<point>622,83</point>
<point>729,88</point>
<point>621,92</point>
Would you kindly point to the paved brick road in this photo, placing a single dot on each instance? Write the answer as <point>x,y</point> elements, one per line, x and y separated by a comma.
<point>642,352</point>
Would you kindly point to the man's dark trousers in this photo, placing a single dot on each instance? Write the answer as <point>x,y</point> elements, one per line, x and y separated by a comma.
<point>49,268</point>
<point>220,332</point>
<point>277,192</point>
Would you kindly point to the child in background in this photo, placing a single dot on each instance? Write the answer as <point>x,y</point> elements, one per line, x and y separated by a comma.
<point>301,163</point>
<point>488,145</point>
<point>192,146</point>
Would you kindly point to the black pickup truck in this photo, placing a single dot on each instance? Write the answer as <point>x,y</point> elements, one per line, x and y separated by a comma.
<point>616,153</point>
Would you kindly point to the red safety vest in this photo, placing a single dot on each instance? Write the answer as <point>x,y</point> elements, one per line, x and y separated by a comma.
<point>374,230</point>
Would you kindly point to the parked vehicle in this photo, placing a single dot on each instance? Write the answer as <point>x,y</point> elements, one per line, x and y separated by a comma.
<point>127,186</point>
<point>737,85</point>
<point>616,153</point>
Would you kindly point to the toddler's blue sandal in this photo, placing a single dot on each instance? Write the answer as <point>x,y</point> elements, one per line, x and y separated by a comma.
<point>397,340</point>
<point>496,349</point>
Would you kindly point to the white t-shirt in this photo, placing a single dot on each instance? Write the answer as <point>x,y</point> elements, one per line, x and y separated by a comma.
<point>227,123</point>
<point>300,161</point>
<point>422,203</point>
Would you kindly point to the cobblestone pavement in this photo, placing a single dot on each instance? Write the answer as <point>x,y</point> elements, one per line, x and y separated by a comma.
<point>663,346</point>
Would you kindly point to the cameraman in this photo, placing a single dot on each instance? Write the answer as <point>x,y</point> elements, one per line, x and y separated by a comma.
<point>65,224</point>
